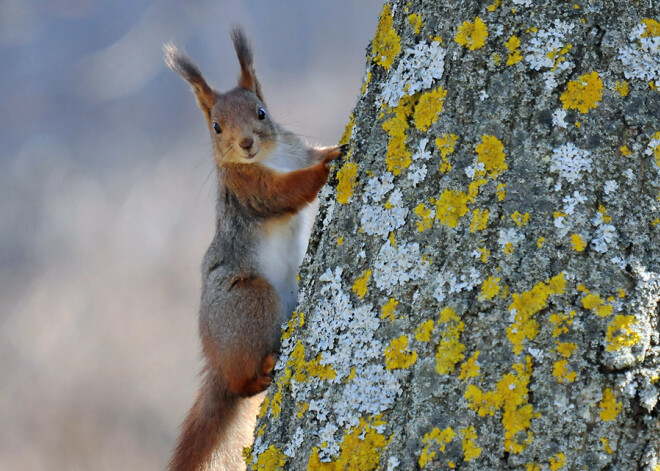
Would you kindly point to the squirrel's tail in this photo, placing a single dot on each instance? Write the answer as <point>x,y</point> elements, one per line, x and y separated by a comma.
<point>216,429</point>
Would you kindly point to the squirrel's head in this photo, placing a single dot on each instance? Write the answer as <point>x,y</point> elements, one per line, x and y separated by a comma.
<point>241,127</point>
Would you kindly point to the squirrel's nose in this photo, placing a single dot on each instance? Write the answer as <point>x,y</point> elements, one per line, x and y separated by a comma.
<point>246,143</point>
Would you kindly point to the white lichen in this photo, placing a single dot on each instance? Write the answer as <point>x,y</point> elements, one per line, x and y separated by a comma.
<point>397,265</point>
<point>541,51</point>
<point>422,153</point>
<point>641,58</point>
<point>571,202</point>
<point>344,335</point>
<point>416,173</point>
<point>610,187</point>
<point>605,234</point>
<point>418,68</point>
<point>510,236</point>
<point>447,283</point>
<point>570,162</point>
<point>558,117</point>
<point>377,218</point>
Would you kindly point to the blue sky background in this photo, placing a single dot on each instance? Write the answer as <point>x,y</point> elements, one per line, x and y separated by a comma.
<point>106,205</point>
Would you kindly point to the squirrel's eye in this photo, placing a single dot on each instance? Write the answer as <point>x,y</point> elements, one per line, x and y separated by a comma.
<point>217,128</point>
<point>261,113</point>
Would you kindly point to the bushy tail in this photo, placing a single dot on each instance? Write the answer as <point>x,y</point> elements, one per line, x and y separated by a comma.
<point>215,430</point>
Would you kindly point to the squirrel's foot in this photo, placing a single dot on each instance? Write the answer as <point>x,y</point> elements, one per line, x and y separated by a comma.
<point>263,378</point>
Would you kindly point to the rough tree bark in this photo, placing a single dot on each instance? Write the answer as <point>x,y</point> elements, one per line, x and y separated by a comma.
<point>481,289</point>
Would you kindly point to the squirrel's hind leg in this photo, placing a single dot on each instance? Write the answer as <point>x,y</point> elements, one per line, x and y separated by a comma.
<point>242,339</point>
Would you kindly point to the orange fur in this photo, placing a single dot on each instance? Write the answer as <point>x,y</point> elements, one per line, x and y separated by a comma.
<point>213,410</point>
<point>269,193</point>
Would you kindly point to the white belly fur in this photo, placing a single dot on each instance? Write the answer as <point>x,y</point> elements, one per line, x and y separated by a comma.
<point>284,240</point>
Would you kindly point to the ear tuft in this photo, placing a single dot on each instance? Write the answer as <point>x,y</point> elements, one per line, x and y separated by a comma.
<point>248,77</point>
<point>180,63</point>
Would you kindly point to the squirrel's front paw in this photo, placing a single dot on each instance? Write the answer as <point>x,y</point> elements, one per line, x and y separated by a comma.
<point>336,151</point>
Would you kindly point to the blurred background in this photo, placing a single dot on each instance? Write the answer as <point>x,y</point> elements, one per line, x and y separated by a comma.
<point>107,201</point>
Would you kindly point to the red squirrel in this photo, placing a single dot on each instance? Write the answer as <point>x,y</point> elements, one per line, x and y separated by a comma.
<point>267,178</point>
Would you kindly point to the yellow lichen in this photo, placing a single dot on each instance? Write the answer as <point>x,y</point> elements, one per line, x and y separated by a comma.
<point>472,34</point>
<point>520,219</point>
<point>577,242</point>
<point>501,191</point>
<point>386,43</point>
<point>360,285</point>
<point>264,407</point>
<point>609,406</point>
<point>479,220</point>
<point>435,437</point>
<point>398,156</point>
<point>397,355</point>
<point>296,320</point>
<point>620,333</point>
<point>494,5</point>
<point>652,28</point>
<point>622,88</point>
<point>451,207</point>
<point>528,303</point>
<point>540,241</point>
<point>426,217</point>
<point>392,239</point>
<point>445,145</point>
<point>470,369</point>
<point>429,108</point>
<point>511,394</point>
<point>485,253</point>
<point>424,330</point>
<point>557,55</point>
<point>562,374</point>
<point>603,211</point>
<point>415,20</point>
<point>561,322</point>
<point>489,288</point>
<point>271,459</point>
<point>566,349</point>
<point>360,449</point>
<point>594,303</point>
<point>470,449</point>
<point>606,445</point>
<point>340,240</point>
<point>348,130</point>
<point>473,190</point>
<point>557,462</point>
<point>388,309</point>
<point>346,182</point>
<point>450,350</point>
<point>583,94</point>
<point>513,45</point>
<point>491,154</point>
<point>302,408</point>
<point>365,84</point>
<point>496,58</point>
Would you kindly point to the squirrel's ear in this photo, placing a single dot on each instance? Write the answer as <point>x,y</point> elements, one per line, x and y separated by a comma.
<point>180,63</point>
<point>248,78</point>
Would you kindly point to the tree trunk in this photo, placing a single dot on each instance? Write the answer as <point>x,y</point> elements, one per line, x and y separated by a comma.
<point>481,289</point>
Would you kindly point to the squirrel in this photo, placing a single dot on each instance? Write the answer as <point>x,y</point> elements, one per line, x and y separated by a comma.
<point>268,180</point>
